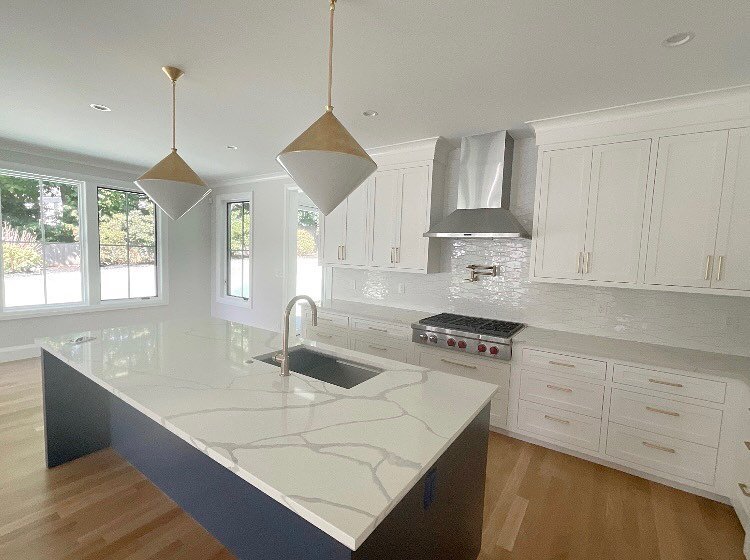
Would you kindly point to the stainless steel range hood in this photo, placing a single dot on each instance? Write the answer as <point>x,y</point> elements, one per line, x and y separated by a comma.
<point>483,191</point>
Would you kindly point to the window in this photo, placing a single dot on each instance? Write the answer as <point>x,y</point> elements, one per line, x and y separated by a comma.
<point>309,271</point>
<point>41,245</point>
<point>127,244</point>
<point>239,246</point>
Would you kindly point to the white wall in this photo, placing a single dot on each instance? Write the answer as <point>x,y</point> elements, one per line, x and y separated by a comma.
<point>719,323</point>
<point>188,254</point>
<point>267,287</point>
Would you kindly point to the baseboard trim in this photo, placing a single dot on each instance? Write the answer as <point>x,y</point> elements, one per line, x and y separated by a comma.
<point>13,353</point>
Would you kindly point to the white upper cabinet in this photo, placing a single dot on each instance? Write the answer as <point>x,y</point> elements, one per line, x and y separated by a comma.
<point>383,194</point>
<point>617,196</point>
<point>685,209</point>
<point>590,212</point>
<point>654,196</point>
<point>561,229</point>
<point>381,224</point>
<point>732,258</point>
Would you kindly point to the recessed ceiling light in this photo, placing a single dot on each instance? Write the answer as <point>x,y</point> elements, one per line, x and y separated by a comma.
<point>370,113</point>
<point>679,39</point>
<point>230,147</point>
<point>99,107</point>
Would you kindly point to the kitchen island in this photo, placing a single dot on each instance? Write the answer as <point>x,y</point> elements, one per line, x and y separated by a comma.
<point>274,467</point>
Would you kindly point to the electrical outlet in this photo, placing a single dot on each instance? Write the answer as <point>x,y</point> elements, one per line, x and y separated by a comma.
<point>401,288</point>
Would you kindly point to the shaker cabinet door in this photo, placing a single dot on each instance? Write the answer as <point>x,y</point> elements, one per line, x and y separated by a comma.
<point>732,268</point>
<point>355,245</point>
<point>561,226</point>
<point>685,209</point>
<point>619,181</point>
<point>334,235</point>
<point>384,211</point>
<point>414,210</point>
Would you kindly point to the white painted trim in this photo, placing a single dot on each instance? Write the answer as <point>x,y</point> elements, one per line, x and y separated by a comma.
<point>240,181</point>
<point>220,202</point>
<point>13,353</point>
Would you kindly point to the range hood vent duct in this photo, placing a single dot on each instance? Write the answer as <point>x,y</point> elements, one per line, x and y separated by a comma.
<point>483,191</point>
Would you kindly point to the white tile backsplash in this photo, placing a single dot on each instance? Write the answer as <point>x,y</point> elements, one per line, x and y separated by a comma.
<point>705,322</point>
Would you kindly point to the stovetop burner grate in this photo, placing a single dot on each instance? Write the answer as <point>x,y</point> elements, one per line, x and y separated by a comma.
<point>476,325</point>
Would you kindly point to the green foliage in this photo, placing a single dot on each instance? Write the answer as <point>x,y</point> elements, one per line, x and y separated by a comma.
<point>240,226</point>
<point>306,246</point>
<point>125,219</point>
<point>20,258</point>
<point>308,218</point>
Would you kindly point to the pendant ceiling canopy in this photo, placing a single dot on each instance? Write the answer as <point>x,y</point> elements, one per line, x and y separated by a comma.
<point>171,184</point>
<point>326,161</point>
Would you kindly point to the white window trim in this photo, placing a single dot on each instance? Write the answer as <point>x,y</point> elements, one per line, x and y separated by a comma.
<point>89,238</point>
<point>220,249</point>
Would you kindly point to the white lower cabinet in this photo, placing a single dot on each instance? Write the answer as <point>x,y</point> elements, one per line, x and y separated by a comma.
<point>562,426</point>
<point>382,348</point>
<point>672,456</point>
<point>567,394</point>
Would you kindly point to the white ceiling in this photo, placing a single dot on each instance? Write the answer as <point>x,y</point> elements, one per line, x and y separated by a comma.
<point>255,71</point>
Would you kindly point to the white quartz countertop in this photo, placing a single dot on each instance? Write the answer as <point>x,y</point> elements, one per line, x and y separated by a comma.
<point>340,458</point>
<point>637,353</point>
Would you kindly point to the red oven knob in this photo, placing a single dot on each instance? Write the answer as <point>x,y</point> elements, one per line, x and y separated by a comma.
<point>462,344</point>
<point>450,342</point>
<point>493,350</point>
<point>482,348</point>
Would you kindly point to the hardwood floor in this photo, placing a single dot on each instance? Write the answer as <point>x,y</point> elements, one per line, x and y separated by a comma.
<point>539,505</point>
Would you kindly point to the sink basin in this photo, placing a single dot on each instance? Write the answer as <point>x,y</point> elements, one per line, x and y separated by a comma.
<point>337,371</point>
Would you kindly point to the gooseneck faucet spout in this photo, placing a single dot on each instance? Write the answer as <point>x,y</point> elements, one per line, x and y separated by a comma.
<point>283,358</point>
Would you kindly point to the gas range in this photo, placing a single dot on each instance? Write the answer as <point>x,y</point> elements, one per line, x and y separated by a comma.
<point>472,335</point>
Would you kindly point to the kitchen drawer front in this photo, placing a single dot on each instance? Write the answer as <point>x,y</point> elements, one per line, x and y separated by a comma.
<point>377,328</point>
<point>478,369</point>
<point>328,319</point>
<point>562,426</point>
<point>336,336</point>
<point>564,364</point>
<point>378,348</point>
<point>670,418</point>
<point>675,384</point>
<point>575,396</point>
<point>661,453</point>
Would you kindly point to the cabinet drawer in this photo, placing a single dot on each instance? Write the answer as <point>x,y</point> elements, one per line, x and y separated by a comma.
<point>378,328</point>
<point>673,383</point>
<point>378,348</point>
<point>670,418</point>
<point>328,319</point>
<point>560,425</point>
<point>473,368</point>
<point>575,396</point>
<point>669,455</point>
<point>564,364</point>
<point>337,336</point>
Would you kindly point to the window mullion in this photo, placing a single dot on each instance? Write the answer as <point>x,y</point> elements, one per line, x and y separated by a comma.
<point>2,266</point>
<point>44,239</point>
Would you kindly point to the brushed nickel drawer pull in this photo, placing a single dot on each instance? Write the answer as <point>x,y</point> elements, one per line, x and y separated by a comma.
<point>658,447</point>
<point>378,330</point>
<point>745,489</point>
<point>558,388</point>
<point>321,335</point>
<point>668,383</point>
<point>559,420</point>
<point>562,364</point>
<point>578,263</point>
<point>662,411</point>
<point>467,366</point>
<point>586,260</point>
<point>381,348</point>
<point>324,320</point>
<point>398,254</point>
<point>707,275</point>
<point>720,267</point>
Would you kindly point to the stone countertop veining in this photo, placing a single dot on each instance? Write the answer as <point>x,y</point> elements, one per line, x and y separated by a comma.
<point>341,459</point>
<point>638,353</point>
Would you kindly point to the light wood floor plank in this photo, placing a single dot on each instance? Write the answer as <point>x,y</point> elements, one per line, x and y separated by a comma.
<point>539,504</point>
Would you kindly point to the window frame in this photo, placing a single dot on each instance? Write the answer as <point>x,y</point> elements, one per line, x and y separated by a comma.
<point>89,240</point>
<point>221,249</point>
<point>157,250</point>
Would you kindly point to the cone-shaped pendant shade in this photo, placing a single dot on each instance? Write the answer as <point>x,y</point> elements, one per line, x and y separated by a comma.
<point>173,186</point>
<point>326,162</point>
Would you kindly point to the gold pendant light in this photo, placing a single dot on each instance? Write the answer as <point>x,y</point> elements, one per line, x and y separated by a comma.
<point>171,184</point>
<point>326,161</point>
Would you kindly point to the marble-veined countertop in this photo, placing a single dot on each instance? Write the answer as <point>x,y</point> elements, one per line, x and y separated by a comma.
<point>340,458</point>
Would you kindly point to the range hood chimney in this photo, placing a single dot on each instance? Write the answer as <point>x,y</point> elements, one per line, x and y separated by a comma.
<point>483,191</point>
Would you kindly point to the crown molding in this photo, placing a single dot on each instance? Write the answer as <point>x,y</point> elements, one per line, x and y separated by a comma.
<point>691,109</point>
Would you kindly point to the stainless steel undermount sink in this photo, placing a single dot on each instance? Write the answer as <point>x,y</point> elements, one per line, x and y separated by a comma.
<point>324,367</point>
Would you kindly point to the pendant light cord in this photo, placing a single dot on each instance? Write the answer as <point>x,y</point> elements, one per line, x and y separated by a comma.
<point>174,116</point>
<point>329,107</point>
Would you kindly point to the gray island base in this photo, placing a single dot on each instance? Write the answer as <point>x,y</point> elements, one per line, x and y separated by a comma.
<point>440,518</point>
